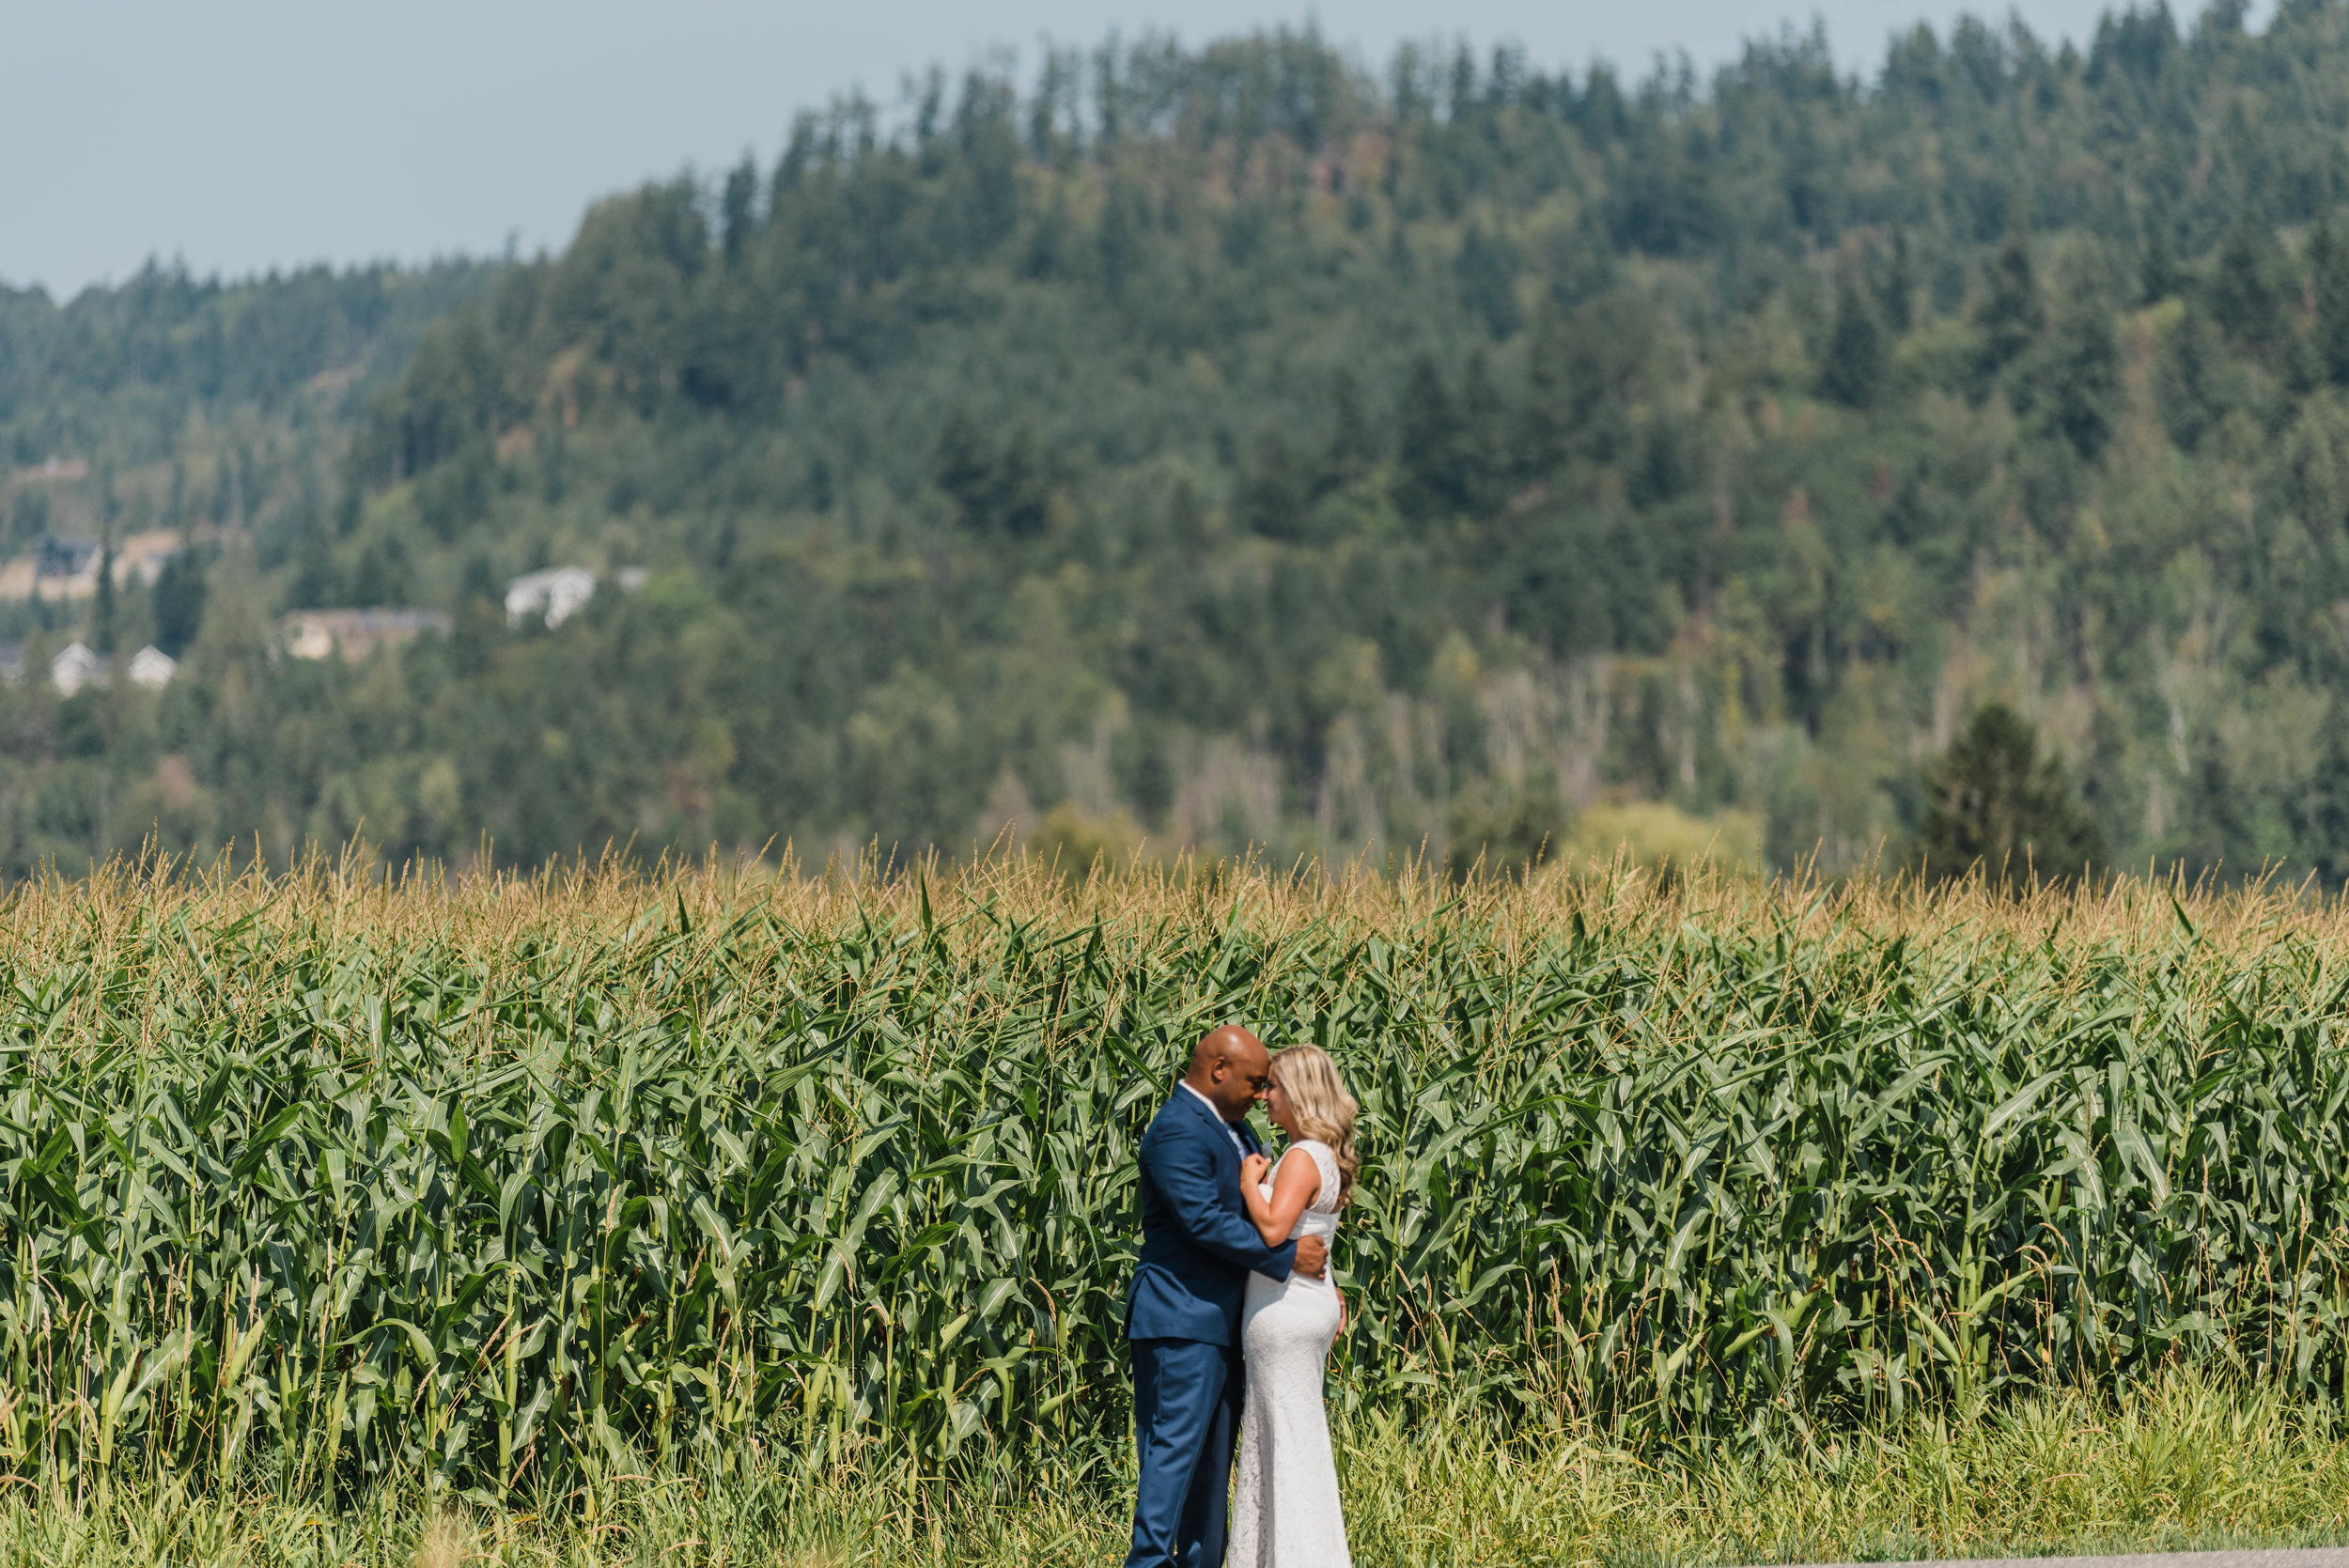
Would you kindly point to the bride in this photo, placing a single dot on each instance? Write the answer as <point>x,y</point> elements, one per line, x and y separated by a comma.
<point>1286,1514</point>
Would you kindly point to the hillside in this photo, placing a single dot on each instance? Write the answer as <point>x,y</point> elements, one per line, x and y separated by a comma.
<point>1241,446</point>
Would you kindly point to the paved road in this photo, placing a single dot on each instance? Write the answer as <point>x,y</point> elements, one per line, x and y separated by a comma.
<point>2314,1556</point>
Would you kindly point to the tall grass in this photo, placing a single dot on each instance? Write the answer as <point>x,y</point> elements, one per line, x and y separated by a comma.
<point>2183,1462</point>
<point>524,1186</point>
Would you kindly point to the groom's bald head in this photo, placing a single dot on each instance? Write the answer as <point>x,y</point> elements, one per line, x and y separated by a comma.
<point>1231,1067</point>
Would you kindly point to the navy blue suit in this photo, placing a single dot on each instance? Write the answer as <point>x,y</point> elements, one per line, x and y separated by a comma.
<point>1182,1326</point>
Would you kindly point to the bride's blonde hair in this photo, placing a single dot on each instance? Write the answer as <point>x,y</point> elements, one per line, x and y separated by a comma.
<point>1325,1112</point>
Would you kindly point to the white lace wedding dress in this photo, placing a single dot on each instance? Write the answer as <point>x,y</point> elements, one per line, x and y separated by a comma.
<point>1285,1511</point>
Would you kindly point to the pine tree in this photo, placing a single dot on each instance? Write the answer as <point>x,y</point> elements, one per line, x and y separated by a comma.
<point>1541,433</point>
<point>965,469</point>
<point>1996,804</point>
<point>102,617</point>
<point>1483,435</point>
<point>1023,484</point>
<point>1430,436</point>
<point>2244,299</point>
<point>1488,274</point>
<point>1353,438</point>
<point>1855,364</point>
<point>1276,491</point>
<point>1120,237</point>
<point>2084,361</point>
<point>738,215</point>
<point>2157,268</point>
<point>1399,258</point>
<point>2191,400</point>
<point>2012,315</point>
<point>1897,292</point>
<point>2329,279</point>
<point>178,602</point>
<point>1047,242</point>
<point>317,579</point>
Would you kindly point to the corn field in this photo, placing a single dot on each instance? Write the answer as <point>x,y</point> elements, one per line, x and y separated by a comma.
<point>528,1182</point>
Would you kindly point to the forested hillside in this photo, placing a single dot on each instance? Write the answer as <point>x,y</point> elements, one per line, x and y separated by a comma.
<point>1243,447</point>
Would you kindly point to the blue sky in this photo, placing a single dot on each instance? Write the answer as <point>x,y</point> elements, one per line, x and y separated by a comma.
<point>267,132</point>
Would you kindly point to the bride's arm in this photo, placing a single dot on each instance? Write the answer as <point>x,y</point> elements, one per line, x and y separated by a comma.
<point>1294,1184</point>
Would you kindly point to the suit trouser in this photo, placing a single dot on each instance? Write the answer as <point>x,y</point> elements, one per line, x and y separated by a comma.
<point>1187,1398</point>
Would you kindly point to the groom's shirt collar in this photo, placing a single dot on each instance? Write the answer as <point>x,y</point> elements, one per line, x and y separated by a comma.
<point>1230,1131</point>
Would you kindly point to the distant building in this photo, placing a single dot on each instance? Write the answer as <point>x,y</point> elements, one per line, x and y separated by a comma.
<point>152,668</point>
<point>57,470</point>
<point>140,557</point>
<point>550,596</point>
<point>67,569</point>
<point>357,634</point>
<point>75,667</point>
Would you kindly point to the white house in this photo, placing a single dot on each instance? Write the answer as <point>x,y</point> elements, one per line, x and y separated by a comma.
<point>152,668</point>
<point>551,595</point>
<point>75,667</point>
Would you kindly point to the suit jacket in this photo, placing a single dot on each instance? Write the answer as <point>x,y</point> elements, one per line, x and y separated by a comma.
<point>1198,1245</point>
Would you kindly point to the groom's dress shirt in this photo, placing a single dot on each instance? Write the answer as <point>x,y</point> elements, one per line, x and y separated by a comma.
<point>1229,1131</point>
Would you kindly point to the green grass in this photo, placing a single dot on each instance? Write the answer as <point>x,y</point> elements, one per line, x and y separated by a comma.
<point>2183,1463</point>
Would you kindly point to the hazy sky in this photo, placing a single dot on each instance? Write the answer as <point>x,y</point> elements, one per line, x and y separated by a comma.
<point>266,132</point>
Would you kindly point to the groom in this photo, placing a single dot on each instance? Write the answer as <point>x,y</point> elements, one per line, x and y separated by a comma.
<point>1182,1315</point>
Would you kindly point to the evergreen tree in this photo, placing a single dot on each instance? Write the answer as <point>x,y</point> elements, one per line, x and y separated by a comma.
<point>1353,438</point>
<point>1993,802</point>
<point>317,581</point>
<point>1431,440</point>
<point>2011,315</point>
<point>1399,258</point>
<point>179,601</point>
<point>2191,400</point>
<point>102,616</point>
<point>1487,273</point>
<point>2084,361</point>
<point>1855,368</point>
<point>2157,268</point>
<point>965,469</point>
<point>1120,236</point>
<point>1023,484</point>
<point>2328,280</point>
<point>2246,299</point>
<point>1483,435</point>
<point>738,214</point>
<point>1273,495</point>
<point>1047,242</point>
<point>1897,292</point>
<point>1541,436</point>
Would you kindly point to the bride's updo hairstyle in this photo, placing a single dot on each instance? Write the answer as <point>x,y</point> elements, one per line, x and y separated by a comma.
<point>1325,1112</point>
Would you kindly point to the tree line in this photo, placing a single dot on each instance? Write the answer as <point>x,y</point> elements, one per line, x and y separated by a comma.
<point>1242,445</point>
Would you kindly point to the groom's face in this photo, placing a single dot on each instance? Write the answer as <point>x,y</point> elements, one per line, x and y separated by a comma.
<point>1241,1077</point>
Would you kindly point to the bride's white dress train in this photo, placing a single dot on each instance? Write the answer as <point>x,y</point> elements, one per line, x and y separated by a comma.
<point>1285,1512</point>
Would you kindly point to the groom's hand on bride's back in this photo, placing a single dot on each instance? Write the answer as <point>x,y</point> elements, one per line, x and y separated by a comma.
<point>1313,1257</point>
